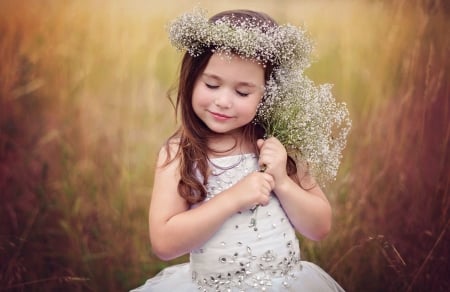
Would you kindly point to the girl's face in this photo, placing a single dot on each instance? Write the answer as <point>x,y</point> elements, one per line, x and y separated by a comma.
<point>227,93</point>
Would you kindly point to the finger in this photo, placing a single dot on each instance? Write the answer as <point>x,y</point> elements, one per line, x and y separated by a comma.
<point>270,180</point>
<point>267,190</point>
<point>274,141</point>
<point>260,143</point>
<point>265,201</point>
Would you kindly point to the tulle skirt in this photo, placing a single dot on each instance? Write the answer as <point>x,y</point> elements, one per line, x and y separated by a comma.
<point>178,278</point>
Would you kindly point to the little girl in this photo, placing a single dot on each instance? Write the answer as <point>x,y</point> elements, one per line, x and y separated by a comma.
<point>223,191</point>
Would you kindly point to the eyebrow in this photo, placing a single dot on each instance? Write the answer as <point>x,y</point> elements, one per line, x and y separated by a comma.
<point>248,84</point>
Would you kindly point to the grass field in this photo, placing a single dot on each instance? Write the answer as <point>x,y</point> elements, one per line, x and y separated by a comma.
<point>84,110</point>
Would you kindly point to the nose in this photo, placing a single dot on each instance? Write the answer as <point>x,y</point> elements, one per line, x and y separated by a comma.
<point>223,100</point>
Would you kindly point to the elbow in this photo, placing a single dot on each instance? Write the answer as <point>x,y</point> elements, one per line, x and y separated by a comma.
<point>323,227</point>
<point>321,232</point>
<point>316,232</point>
<point>161,253</point>
<point>162,249</point>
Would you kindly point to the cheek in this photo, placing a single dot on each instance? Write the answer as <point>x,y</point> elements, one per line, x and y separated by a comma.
<point>249,109</point>
<point>199,98</point>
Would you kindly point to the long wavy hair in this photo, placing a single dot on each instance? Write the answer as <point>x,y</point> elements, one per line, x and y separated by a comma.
<point>193,135</point>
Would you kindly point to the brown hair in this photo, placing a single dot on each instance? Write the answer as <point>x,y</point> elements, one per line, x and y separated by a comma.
<point>193,135</point>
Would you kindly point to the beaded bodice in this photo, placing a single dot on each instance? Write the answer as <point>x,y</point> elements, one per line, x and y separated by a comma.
<point>252,247</point>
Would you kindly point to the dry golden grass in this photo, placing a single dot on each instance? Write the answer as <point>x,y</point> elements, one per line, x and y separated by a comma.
<point>83,111</point>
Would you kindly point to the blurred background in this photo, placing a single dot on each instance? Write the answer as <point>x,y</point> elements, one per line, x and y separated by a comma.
<point>84,110</point>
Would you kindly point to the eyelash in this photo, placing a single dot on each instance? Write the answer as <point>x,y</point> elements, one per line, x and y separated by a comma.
<point>242,93</point>
<point>216,86</point>
<point>211,86</point>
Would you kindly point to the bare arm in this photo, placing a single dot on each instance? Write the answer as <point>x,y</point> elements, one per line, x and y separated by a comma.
<point>176,229</point>
<point>308,210</point>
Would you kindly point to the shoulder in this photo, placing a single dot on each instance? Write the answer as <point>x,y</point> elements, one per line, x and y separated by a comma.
<point>167,165</point>
<point>169,152</point>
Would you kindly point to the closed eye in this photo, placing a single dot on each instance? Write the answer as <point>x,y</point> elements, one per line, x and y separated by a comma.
<point>210,86</point>
<point>243,94</point>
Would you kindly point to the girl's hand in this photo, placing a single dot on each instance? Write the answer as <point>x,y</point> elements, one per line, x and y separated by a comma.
<point>273,157</point>
<point>254,189</point>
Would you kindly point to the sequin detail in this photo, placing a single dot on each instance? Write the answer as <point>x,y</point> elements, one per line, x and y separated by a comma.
<point>251,271</point>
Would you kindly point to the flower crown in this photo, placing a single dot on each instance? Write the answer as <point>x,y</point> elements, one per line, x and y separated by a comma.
<point>305,118</point>
<point>283,45</point>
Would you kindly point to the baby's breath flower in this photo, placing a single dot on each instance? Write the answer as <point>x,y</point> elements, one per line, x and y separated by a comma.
<point>307,120</point>
<point>284,45</point>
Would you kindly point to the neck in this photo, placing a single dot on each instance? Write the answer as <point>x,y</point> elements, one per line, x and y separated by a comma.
<point>228,144</point>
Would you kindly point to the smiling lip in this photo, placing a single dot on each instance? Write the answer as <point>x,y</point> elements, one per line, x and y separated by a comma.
<point>219,116</point>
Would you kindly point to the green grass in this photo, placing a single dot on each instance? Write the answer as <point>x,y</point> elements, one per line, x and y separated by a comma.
<point>84,110</point>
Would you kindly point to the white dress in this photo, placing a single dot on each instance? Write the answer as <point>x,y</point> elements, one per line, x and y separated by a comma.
<point>252,251</point>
